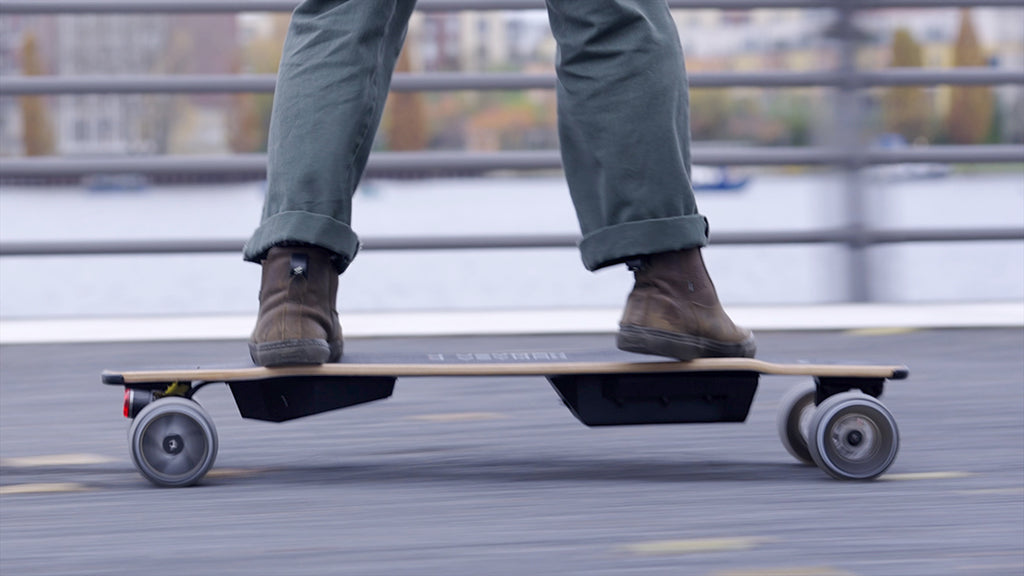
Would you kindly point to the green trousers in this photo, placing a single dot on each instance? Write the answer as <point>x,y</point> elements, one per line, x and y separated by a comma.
<point>623,124</point>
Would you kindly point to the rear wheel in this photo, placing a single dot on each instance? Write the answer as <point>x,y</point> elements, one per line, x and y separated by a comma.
<point>173,442</point>
<point>796,409</point>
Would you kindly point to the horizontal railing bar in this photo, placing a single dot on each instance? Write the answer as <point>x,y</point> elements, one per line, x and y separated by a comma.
<point>996,153</point>
<point>874,4</point>
<point>223,6</point>
<point>212,246</point>
<point>118,247</point>
<point>137,84</point>
<point>255,164</point>
<point>931,76</point>
<point>439,162</point>
<point>404,82</point>
<point>225,83</point>
<point>945,235</point>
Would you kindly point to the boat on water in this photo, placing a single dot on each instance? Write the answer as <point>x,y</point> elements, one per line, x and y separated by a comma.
<point>904,170</point>
<point>716,178</point>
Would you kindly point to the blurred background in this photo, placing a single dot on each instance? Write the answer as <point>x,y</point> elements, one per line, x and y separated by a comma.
<point>841,155</point>
<point>861,163</point>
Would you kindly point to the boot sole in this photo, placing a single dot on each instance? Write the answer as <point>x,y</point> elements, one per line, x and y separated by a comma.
<point>294,352</point>
<point>682,347</point>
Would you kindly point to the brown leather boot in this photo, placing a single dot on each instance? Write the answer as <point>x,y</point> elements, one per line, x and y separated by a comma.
<point>674,311</point>
<point>297,322</point>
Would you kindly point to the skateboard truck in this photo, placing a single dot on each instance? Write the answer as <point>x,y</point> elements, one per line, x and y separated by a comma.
<point>135,399</point>
<point>827,387</point>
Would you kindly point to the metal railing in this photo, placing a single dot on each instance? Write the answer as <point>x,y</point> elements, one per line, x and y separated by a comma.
<point>230,6</point>
<point>848,154</point>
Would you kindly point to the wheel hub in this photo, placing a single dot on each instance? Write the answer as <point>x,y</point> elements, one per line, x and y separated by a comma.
<point>173,444</point>
<point>854,437</point>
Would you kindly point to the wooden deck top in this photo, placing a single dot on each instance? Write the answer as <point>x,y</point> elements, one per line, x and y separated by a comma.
<point>505,364</point>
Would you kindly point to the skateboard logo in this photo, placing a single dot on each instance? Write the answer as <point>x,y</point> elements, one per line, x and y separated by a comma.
<point>500,357</point>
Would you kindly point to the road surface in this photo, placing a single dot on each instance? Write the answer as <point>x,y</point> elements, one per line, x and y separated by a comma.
<point>473,476</point>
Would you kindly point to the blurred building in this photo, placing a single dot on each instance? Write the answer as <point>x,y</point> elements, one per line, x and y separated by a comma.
<point>108,45</point>
<point>481,41</point>
<point>210,45</point>
<point>91,124</point>
<point>714,41</point>
<point>748,39</point>
<point>14,28</point>
<point>437,37</point>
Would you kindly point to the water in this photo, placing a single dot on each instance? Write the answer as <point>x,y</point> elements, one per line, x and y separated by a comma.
<point>502,279</point>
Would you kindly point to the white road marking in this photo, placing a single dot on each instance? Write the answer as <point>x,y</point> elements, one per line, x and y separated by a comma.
<point>787,571</point>
<point>459,417</point>
<point>947,475</point>
<point>695,545</point>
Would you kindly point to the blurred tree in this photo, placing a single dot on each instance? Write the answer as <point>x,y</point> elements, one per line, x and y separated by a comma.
<point>246,128</point>
<point>250,119</point>
<point>796,112</point>
<point>164,111</point>
<point>512,122</point>
<point>971,107</point>
<point>710,112</point>
<point>905,108</point>
<point>406,117</point>
<point>38,139</point>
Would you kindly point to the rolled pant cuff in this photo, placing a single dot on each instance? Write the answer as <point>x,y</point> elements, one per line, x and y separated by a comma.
<point>303,228</point>
<point>618,243</point>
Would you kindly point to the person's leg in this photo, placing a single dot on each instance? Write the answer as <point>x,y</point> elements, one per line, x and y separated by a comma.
<point>333,81</point>
<point>623,108</point>
<point>331,87</point>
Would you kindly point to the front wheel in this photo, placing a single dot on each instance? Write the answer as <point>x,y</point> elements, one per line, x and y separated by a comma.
<point>173,442</point>
<point>852,436</point>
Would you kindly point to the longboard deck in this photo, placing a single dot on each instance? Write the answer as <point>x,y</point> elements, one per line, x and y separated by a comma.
<point>600,387</point>
<point>505,364</point>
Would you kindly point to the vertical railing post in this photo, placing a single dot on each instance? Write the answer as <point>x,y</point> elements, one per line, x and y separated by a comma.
<point>849,134</point>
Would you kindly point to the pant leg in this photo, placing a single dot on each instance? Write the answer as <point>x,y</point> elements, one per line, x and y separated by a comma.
<point>623,122</point>
<point>333,80</point>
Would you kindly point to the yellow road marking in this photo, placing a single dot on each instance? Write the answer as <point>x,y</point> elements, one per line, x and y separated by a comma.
<point>792,571</point>
<point>459,417</point>
<point>695,545</point>
<point>234,472</point>
<point>882,331</point>
<point>948,475</point>
<point>56,460</point>
<point>48,488</point>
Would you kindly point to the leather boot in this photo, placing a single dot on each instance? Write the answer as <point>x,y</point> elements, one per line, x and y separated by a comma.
<point>674,311</point>
<point>297,322</point>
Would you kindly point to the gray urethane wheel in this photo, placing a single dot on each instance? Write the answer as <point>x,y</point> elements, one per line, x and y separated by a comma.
<point>173,442</point>
<point>794,418</point>
<point>852,436</point>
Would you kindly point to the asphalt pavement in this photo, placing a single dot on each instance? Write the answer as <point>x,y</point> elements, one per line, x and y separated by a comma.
<point>475,476</point>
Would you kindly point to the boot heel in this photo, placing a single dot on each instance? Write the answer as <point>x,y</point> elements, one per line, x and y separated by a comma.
<point>657,343</point>
<point>290,352</point>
